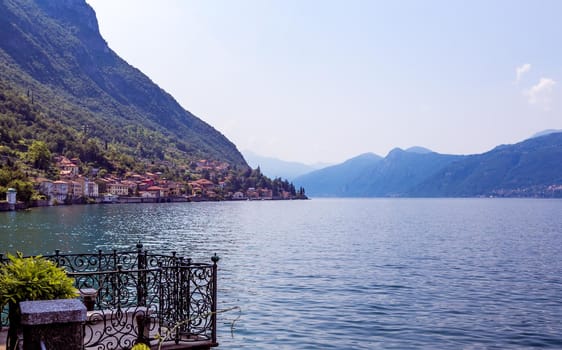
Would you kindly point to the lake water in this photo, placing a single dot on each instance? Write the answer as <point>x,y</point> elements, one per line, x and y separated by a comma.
<point>346,273</point>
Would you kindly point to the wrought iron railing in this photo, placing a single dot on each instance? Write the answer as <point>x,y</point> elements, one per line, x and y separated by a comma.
<point>136,296</point>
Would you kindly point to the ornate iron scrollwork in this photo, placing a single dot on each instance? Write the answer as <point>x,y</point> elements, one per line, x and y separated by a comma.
<point>135,296</point>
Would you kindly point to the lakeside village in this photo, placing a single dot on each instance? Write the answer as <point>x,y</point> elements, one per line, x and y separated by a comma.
<point>215,184</point>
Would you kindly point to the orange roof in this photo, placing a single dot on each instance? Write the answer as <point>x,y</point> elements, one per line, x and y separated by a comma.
<point>203,182</point>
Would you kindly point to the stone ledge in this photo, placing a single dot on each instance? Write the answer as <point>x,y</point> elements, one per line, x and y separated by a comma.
<point>52,311</point>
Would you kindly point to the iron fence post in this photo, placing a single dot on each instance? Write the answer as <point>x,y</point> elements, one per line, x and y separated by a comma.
<point>176,295</point>
<point>160,298</point>
<point>118,285</point>
<point>182,302</point>
<point>100,257</point>
<point>57,257</point>
<point>215,260</point>
<point>115,259</point>
<point>188,293</point>
<point>142,287</point>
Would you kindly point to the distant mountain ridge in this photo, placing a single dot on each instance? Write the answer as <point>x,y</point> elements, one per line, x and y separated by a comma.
<point>52,52</point>
<point>531,168</point>
<point>338,180</point>
<point>418,149</point>
<point>277,168</point>
<point>546,132</point>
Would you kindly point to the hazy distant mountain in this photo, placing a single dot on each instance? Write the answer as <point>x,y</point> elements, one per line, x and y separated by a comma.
<point>546,132</point>
<point>420,150</point>
<point>337,180</point>
<point>372,176</point>
<point>399,172</point>
<point>527,169</point>
<point>274,167</point>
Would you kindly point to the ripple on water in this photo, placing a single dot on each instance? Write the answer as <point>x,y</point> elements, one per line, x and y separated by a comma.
<point>347,274</point>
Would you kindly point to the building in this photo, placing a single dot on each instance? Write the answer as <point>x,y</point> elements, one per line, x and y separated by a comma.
<point>46,187</point>
<point>118,189</point>
<point>91,189</point>
<point>59,191</point>
<point>11,199</point>
<point>202,186</point>
<point>67,167</point>
<point>175,189</point>
<point>76,189</point>
<point>156,191</point>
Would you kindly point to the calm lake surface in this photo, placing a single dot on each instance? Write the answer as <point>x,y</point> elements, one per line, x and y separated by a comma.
<point>346,273</point>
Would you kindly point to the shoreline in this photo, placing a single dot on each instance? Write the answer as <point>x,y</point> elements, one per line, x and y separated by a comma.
<point>20,206</point>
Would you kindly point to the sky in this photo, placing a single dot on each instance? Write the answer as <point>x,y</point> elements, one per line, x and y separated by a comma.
<point>326,80</point>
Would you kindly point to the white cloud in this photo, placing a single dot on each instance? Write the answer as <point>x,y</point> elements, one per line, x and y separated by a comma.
<point>541,92</point>
<point>519,71</point>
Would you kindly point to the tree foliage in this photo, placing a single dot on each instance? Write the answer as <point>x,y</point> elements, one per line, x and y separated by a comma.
<point>39,155</point>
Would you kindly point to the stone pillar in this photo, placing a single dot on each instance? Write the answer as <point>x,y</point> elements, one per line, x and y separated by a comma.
<point>89,297</point>
<point>53,324</point>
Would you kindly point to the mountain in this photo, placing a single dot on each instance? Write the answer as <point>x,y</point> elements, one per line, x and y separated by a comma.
<point>546,132</point>
<point>277,168</point>
<point>531,168</point>
<point>372,176</point>
<point>337,180</point>
<point>526,169</point>
<point>418,149</point>
<point>399,172</point>
<point>54,61</point>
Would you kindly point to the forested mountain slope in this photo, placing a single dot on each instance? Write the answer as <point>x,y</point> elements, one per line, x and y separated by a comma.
<point>531,168</point>
<point>53,58</point>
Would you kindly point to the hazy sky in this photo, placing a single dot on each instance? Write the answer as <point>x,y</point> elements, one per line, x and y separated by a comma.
<point>324,81</point>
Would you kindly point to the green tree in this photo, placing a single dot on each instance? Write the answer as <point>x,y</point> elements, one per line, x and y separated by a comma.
<point>24,190</point>
<point>90,152</point>
<point>39,155</point>
<point>7,175</point>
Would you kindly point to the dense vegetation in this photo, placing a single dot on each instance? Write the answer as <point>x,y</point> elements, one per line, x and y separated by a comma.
<point>52,52</point>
